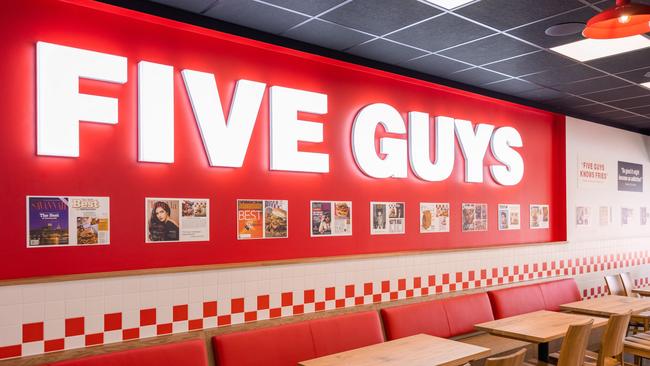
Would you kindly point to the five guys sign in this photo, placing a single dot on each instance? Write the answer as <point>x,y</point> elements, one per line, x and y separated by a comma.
<point>101,101</point>
<point>61,107</point>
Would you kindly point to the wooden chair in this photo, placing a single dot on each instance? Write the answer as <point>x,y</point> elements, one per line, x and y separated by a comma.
<point>615,285</point>
<point>574,346</point>
<point>515,359</point>
<point>628,284</point>
<point>611,345</point>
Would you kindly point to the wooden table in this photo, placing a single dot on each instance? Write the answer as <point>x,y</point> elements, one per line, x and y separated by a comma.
<point>643,291</point>
<point>417,350</point>
<point>539,327</point>
<point>608,305</point>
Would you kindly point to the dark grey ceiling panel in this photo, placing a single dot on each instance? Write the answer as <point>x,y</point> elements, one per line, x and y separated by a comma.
<point>418,36</point>
<point>310,7</point>
<point>617,94</point>
<point>563,75</point>
<point>255,15</point>
<point>435,65</point>
<point>340,38</point>
<point>434,34</point>
<point>642,110</point>
<point>511,86</point>
<point>195,6</point>
<point>592,108</point>
<point>385,51</point>
<point>476,76</point>
<point>380,16</point>
<point>528,64</point>
<point>542,94</point>
<point>624,62</point>
<point>589,85</point>
<point>631,103</point>
<point>637,76</point>
<point>505,14</point>
<point>535,32</point>
<point>489,49</point>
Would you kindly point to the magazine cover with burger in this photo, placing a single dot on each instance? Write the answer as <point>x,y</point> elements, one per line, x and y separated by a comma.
<point>331,218</point>
<point>276,219</point>
<point>434,217</point>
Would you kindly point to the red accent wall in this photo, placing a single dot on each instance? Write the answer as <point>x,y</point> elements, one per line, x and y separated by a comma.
<point>108,165</point>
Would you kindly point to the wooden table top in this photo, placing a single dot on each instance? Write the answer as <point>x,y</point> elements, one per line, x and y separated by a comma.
<point>608,305</point>
<point>417,350</point>
<point>537,327</point>
<point>643,291</point>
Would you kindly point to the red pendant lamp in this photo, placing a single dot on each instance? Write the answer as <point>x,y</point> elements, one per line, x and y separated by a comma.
<point>623,20</point>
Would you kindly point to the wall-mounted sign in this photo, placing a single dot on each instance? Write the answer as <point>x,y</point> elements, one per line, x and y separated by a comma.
<point>434,217</point>
<point>630,177</point>
<point>129,104</point>
<point>509,217</point>
<point>591,172</point>
<point>331,218</point>
<point>539,216</point>
<point>475,217</point>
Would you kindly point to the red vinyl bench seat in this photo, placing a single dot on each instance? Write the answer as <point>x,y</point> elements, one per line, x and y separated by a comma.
<point>517,300</point>
<point>190,353</point>
<point>291,343</point>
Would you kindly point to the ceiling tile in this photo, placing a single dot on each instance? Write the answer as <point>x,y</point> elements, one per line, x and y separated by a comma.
<point>568,101</point>
<point>541,94</point>
<point>637,76</point>
<point>511,86</point>
<point>385,51</point>
<point>592,85</point>
<point>489,49</point>
<point>643,110</point>
<point>592,108</point>
<point>476,76</point>
<point>195,6</point>
<point>535,32</point>
<point>380,16</point>
<point>528,64</point>
<point>615,115</point>
<point>435,65</point>
<point>255,15</point>
<point>563,75</point>
<point>435,34</point>
<point>505,14</point>
<point>311,7</point>
<point>623,62</point>
<point>620,93</point>
<point>339,38</point>
<point>631,103</point>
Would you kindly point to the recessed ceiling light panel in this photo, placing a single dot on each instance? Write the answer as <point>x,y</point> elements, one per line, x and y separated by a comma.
<point>591,49</point>
<point>449,4</point>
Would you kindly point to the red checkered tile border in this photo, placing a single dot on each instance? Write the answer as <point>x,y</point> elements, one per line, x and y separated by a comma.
<point>317,300</point>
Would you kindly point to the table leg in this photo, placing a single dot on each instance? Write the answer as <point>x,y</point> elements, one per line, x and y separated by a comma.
<point>542,352</point>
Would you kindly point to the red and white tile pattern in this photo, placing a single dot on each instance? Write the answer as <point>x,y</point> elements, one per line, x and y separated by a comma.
<point>50,317</point>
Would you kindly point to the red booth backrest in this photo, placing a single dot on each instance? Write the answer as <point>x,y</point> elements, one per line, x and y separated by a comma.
<point>516,300</point>
<point>190,353</point>
<point>427,317</point>
<point>465,311</point>
<point>286,345</point>
<point>560,292</point>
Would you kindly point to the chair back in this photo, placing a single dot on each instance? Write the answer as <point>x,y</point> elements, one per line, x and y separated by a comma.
<point>615,285</point>
<point>515,359</point>
<point>611,345</point>
<point>574,345</point>
<point>628,284</point>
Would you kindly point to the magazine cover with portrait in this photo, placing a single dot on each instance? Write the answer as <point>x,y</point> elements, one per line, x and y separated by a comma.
<point>162,220</point>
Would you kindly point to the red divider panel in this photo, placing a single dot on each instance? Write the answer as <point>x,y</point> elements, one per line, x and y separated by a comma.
<point>516,300</point>
<point>463,312</point>
<point>559,292</point>
<point>427,317</point>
